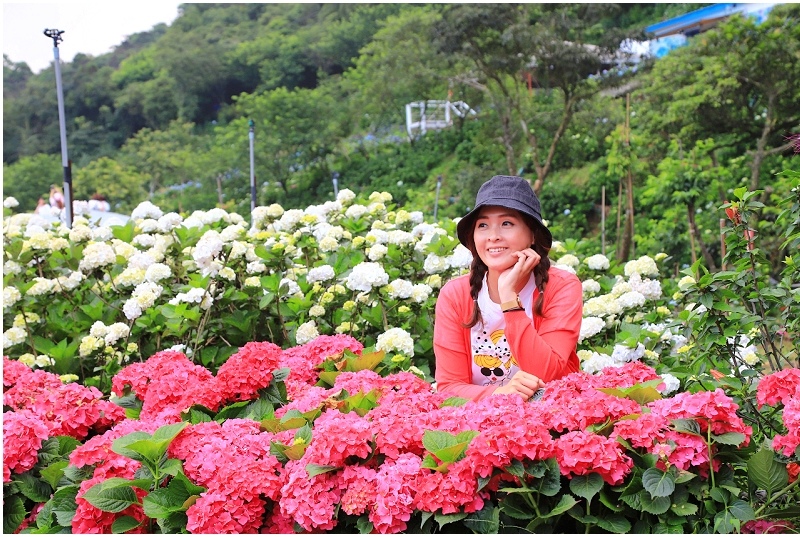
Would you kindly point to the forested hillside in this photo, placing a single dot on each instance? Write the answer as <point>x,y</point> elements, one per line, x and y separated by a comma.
<point>166,115</point>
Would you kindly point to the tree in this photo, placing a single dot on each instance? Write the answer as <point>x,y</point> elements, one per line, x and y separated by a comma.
<point>30,178</point>
<point>123,187</point>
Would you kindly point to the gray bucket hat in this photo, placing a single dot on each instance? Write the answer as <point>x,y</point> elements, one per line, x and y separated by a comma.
<point>505,191</point>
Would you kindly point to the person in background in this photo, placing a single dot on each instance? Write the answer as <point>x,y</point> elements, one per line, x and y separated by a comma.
<point>512,324</point>
<point>56,197</point>
<point>41,206</point>
<point>98,202</point>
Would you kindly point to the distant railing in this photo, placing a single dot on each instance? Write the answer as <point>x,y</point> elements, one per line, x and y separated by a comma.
<point>423,116</point>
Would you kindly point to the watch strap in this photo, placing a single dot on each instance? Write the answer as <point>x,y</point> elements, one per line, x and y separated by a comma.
<point>512,305</point>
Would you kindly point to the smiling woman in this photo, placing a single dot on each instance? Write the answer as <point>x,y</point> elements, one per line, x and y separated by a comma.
<point>109,25</point>
<point>512,324</point>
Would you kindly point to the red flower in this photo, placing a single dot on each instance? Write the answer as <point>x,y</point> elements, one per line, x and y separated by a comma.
<point>733,213</point>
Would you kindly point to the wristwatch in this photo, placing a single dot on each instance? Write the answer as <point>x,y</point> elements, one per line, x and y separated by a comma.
<point>512,305</point>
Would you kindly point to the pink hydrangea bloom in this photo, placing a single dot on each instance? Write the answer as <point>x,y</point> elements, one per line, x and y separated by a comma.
<point>452,492</point>
<point>23,434</point>
<point>400,421</point>
<point>28,388</point>
<point>710,409</point>
<point>90,519</point>
<point>394,499</point>
<point>337,437</point>
<point>13,370</point>
<point>582,453</point>
<point>768,526</point>
<point>791,419</point>
<point>778,387</point>
<point>310,501</point>
<point>248,370</point>
<point>303,359</point>
<point>218,513</point>
<point>358,487</point>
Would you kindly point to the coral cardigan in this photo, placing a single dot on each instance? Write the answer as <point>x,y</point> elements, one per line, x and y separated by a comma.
<point>544,347</point>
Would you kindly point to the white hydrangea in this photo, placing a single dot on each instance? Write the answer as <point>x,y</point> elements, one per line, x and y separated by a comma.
<point>96,255</point>
<point>461,258</point>
<point>400,288</point>
<point>377,252</point>
<point>141,260</point>
<point>632,299</point>
<point>13,336</point>
<point>355,211</point>
<point>70,282</point>
<point>89,344</point>
<point>345,196</point>
<point>143,297</point>
<point>11,296</point>
<point>569,260</point>
<point>601,306</point>
<point>252,281</point>
<point>168,222</point>
<point>10,202</point>
<point>597,262</point>
<point>590,326</point>
<point>291,287</point>
<point>206,251</point>
<point>80,234</point>
<point>146,210</point>
<point>316,311</point>
<point>421,292</point>
<point>148,225</point>
<point>671,383</point>
<point>623,354</point>
<point>400,237</point>
<point>590,287</point>
<point>130,277</point>
<point>320,274</point>
<point>328,244</point>
<point>365,276</point>
<point>157,272</point>
<point>597,362</point>
<point>45,361</point>
<point>434,264</point>
<point>288,220</point>
<point>566,268</point>
<point>123,249</point>
<point>306,332</point>
<point>144,240</point>
<point>102,234</point>
<point>11,267</point>
<point>41,286</point>
<point>651,289</point>
<point>195,295</point>
<point>645,266</point>
<point>255,267</point>
<point>686,282</point>
<point>227,273</point>
<point>376,235</point>
<point>396,340</point>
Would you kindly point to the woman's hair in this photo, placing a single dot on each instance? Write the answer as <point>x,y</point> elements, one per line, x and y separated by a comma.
<point>478,270</point>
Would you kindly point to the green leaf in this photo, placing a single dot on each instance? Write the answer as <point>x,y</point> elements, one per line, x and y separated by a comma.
<point>120,445</point>
<point>148,449</point>
<point>657,482</point>
<point>687,426</point>
<point>172,467</point>
<point>53,473</point>
<point>566,503</point>
<point>655,506</point>
<point>550,483</point>
<point>683,508</point>
<point>364,525</point>
<point>181,485</point>
<point>765,472</point>
<point>742,510</point>
<point>487,520</point>
<point>446,519</point>
<point>514,506</point>
<point>162,502</point>
<point>32,487</point>
<point>454,401</point>
<point>169,432</point>
<point>729,439</point>
<point>66,445</point>
<point>64,504</point>
<point>112,500</point>
<point>124,524</point>
<point>13,514</point>
<point>516,468</point>
<point>317,469</point>
<point>586,486</point>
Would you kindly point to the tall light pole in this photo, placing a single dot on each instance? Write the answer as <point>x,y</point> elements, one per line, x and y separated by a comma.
<point>55,35</point>
<point>252,167</point>
<point>436,203</point>
<point>335,180</point>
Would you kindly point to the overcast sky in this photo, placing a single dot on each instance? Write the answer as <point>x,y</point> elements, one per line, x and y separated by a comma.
<point>89,27</point>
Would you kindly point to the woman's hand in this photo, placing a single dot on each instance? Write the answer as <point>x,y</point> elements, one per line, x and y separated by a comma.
<point>522,383</point>
<point>517,275</point>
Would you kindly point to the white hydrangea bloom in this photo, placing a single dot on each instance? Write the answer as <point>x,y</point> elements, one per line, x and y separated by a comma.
<point>80,234</point>
<point>212,216</point>
<point>11,267</point>
<point>11,296</point>
<point>400,237</point>
<point>70,282</point>
<point>227,273</point>
<point>461,258</point>
<point>291,287</point>
<point>355,211</point>
<point>590,287</point>
<point>645,266</point>
<point>146,210</point>
<point>168,222</point>
<point>601,306</point>
<point>96,255</point>
<point>686,282</point>
<point>252,281</point>
<point>651,289</point>
<point>130,277</point>
<point>141,260</point>
<point>365,276</point>
<point>45,361</point>
<point>13,336</point>
<point>206,251</point>
<point>89,344</point>
<point>306,332</point>
<point>143,297</point>
<point>320,274</point>
<point>377,236</point>
<point>590,326</point>
<point>10,202</point>
<point>232,233</point>
<point>566,268</point>
<point>569,260</point>
<point>288,220</point>
<point>345,196</point>
<point>421,292</point>
<point>102,234</point>
<point>632,299</point>
<point>377,252</point>
<point>671,383</point>
<point>157,272</point>
<point>623,354</point>
<point>597,262</point>
<point>144,240</point>
<point>316,310</point>
<point>123,249</point>
<point>148,225</point>
<point>597,362</point>
<point>396,340</point>
<point>434,264</point>
<point>41,286</point>
<point>400,288</point>
<point>255,267</point>
<point>328,244</point>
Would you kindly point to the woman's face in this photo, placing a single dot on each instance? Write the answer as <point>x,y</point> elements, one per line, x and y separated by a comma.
<point>499,233</point>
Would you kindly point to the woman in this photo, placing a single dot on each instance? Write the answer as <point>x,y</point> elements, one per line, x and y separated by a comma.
<point>512,323</point>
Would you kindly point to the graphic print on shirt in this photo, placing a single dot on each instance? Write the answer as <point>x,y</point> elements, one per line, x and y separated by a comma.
<point>493,356</point>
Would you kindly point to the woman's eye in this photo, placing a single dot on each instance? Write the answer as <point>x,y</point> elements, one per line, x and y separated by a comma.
<point>508,223</point>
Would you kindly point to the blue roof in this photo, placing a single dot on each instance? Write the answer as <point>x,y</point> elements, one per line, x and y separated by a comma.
<point>695,20</point>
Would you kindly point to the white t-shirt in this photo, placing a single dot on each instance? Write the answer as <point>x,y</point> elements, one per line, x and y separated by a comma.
<point>492,361</point>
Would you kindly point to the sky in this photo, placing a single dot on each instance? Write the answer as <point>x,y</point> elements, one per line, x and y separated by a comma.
<point>92,28</point>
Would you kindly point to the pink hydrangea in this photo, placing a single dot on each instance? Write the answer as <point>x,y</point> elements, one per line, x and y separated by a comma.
<point>791,419</point>
<point>710,409</point>
<point>358,487</point>
<point>645,431</point>
<point>28,388</point>
<point>168,384</point>
<point>23,434</point>
<point>90,519</point>
<point>278,523</point>
<point>303,360</point>
<point>394,495</point>
<point>310,501</point>
<point>582,453</point>
<point>625,376</point>
<point>13,370</point>
<point>778,387</point>
<point>248,371</point>
<point>400,421</point>
<point>218,513</point>
<point>452,492</point>
<point>337,437</point>
<point>768,526</point>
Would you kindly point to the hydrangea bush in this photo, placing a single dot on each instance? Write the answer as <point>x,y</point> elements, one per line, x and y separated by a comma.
<point>207,375</point>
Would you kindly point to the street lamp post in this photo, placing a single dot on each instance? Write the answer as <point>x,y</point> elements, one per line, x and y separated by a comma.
<point>252,167</point>
<point>55,35</point>
<point>436,203</point>
<point>335,180</point>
